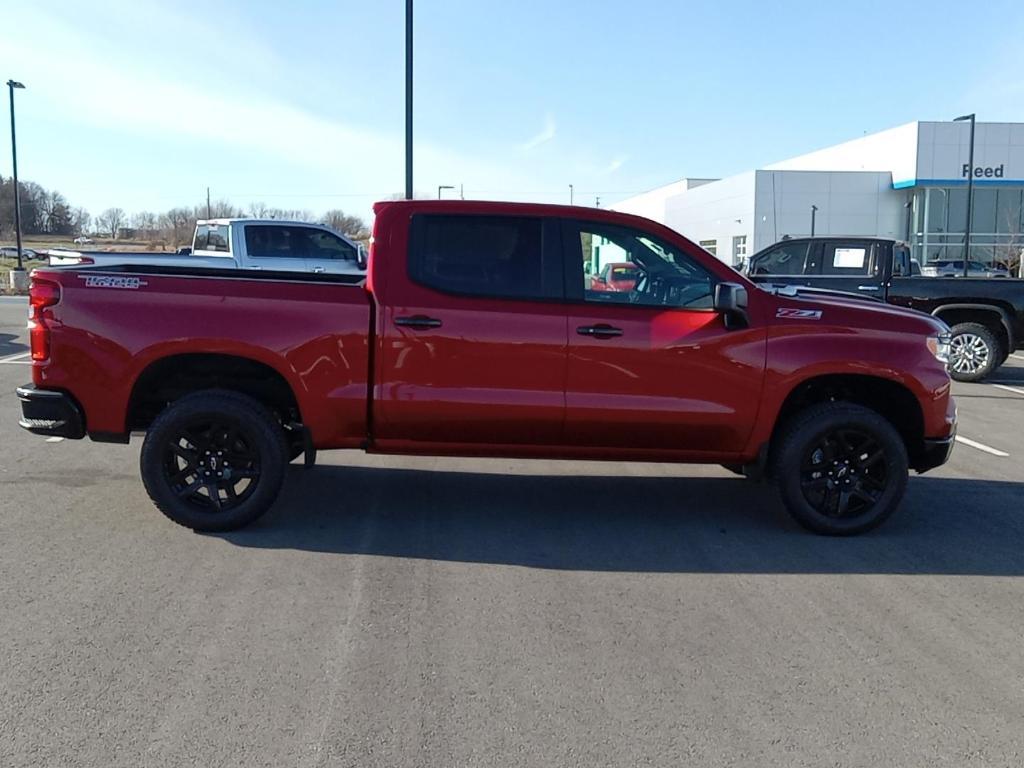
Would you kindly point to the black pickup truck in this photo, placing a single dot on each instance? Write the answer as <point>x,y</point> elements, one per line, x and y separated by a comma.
<point>986,314</point>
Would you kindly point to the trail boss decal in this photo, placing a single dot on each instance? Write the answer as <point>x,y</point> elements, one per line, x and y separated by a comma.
<point>112,281</point>
<point>789,313</point>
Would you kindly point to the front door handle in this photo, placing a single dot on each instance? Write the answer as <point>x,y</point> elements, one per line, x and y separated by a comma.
<point>418,322</point>
<point>867,287</point>
<point>600,331</point>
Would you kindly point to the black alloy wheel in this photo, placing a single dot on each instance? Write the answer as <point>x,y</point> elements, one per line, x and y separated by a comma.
<point>214,460</point>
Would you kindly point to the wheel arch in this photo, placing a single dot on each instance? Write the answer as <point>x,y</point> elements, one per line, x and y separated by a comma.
<point>994,317</point>
<point>891,399</point>
<point>173,376</point>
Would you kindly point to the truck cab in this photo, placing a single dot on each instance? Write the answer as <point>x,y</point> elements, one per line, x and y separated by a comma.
<point>284,246</point>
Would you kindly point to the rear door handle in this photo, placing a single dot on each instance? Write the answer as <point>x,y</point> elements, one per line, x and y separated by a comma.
<point>868,287</point>
<point>418,322</point>
<point>600,331</point>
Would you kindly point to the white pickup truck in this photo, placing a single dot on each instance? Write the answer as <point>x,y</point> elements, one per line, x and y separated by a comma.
<point>269,244</point>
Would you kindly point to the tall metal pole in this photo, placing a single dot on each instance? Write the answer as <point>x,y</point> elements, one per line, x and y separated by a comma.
<point>11,85</point>
<point>570,194</point>
<point>970,193</point>
<point>208,203</point>
<point>814,212</point>
<point>408,99</point>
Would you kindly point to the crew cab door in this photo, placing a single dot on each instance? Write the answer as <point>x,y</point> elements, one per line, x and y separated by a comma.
<point>331,254</point>
<point>473,333</point>
<point>277,247</point>
<point>654,368</point>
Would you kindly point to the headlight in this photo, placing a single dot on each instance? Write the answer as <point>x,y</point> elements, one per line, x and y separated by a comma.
<point>939,346</point>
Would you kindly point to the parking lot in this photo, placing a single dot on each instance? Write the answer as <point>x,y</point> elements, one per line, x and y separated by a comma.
<point>497,612</point>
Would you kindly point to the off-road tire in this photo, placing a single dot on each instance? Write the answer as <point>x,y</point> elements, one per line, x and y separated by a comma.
<point>875,466</point>
<point>181,477</point>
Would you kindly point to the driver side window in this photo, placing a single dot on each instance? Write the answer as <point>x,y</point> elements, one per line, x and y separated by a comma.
<point>627,266</point>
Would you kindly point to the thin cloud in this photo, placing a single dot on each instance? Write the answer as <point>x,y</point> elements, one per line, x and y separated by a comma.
<point>614,165</point>
<point>546,134</point>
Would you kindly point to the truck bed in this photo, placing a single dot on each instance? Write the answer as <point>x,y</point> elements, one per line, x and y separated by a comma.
<point>112,323</point>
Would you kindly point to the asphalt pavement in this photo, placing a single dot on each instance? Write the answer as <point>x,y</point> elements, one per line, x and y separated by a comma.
<point>421,612</point>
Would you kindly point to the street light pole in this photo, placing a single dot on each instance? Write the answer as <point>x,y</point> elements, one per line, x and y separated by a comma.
<point>814,213</point>
<point>443,186</point>
<point>11,85</point>
<point>570,194</point>
<point>970,192</point>
<point>408,99</point>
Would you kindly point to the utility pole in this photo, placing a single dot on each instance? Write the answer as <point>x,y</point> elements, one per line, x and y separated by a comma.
<point>814,211</point>
<point>408,99</point>
<point>597,201</point>
<point>570,194</point>
<point>11,85</point>
<point>970,192</point>
<point>208,203</point>
<point>462,192</point>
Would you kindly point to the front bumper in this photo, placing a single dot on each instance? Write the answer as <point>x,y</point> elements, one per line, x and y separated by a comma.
<point>50,412</point>
<point>934,453</point>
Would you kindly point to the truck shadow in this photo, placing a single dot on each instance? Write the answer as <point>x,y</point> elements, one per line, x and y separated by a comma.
<point>11,345</point>
<point>635,524</point>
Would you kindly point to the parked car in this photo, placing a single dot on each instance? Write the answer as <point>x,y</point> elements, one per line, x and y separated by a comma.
<point>617,277</point>
<point>11,252</point>
<point>953,268</point>
<point>477,334</point>
<point>287,246</point>
<point>82,240</point>
<point>986,316</point>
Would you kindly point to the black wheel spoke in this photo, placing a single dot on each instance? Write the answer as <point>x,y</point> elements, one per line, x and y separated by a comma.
<point>215,454</point>
<point>843,474</point>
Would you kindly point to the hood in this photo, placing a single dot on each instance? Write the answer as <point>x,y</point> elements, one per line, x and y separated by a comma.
<point>840,308</point>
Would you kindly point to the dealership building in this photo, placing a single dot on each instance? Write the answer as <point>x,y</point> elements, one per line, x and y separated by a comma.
<point>907,183</point>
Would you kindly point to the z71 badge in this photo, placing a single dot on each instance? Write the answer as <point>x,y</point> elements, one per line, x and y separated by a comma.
<point>112,281</point>
<point>791,313</point>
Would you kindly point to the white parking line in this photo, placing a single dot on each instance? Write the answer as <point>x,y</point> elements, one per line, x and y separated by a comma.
<point>981,447</point>
<point>1009,389</point>
<point>1019,357</point>
<point>55,439</point>
<point>13,358</point>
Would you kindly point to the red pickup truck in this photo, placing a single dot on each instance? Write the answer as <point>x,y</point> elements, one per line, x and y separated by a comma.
<point>476,333</point>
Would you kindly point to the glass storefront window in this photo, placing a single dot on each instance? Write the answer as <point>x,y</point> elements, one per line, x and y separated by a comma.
<point>997,225</point>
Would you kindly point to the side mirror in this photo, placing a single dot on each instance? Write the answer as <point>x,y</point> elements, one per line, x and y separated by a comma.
<point>731,301</point>
<point>362,258</point>
<point>186,251</point>
<point>602,279</point>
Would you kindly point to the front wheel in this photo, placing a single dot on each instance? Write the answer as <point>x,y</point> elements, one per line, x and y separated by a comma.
<point>841,469</point>
<point>214,460</point>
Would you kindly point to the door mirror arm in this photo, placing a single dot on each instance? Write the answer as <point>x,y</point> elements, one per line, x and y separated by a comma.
<point>731,300</point>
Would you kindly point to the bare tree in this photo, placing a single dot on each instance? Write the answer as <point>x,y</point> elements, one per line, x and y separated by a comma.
<point>258,210</point>
<point>80,221</point>
<point>353,226</point>
<point>111,220</point>
<point>145,223</point>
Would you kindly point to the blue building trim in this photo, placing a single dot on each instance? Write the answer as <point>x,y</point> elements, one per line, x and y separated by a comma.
<point>906,184</point>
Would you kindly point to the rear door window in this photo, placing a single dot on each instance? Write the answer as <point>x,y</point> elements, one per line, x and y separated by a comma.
<point>847,258</point>
<point>493,256</point>
<point>271,241</point>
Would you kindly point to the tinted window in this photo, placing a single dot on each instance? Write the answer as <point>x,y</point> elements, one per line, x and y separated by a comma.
<point>271,241</point>
<point>324,245</point>
<point>786,259</point>
<point>211,237</point>
<point>500,256</point>
<point>664,276</point>
<point>846,259</point>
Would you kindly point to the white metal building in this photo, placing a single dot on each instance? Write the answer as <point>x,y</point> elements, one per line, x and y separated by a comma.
<point>908,183</point>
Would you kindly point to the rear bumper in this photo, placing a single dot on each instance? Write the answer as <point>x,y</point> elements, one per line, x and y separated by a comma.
<point>50,412</point>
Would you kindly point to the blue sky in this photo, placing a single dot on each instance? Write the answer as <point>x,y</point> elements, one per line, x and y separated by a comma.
<point>142,103</point>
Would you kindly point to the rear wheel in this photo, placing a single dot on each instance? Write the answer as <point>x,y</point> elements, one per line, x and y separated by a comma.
<point>214,460</point>
<point>974,352</point>
<point>841,469</point>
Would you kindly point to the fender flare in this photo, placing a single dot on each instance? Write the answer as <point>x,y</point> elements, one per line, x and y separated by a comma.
<point>1004,317</point>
